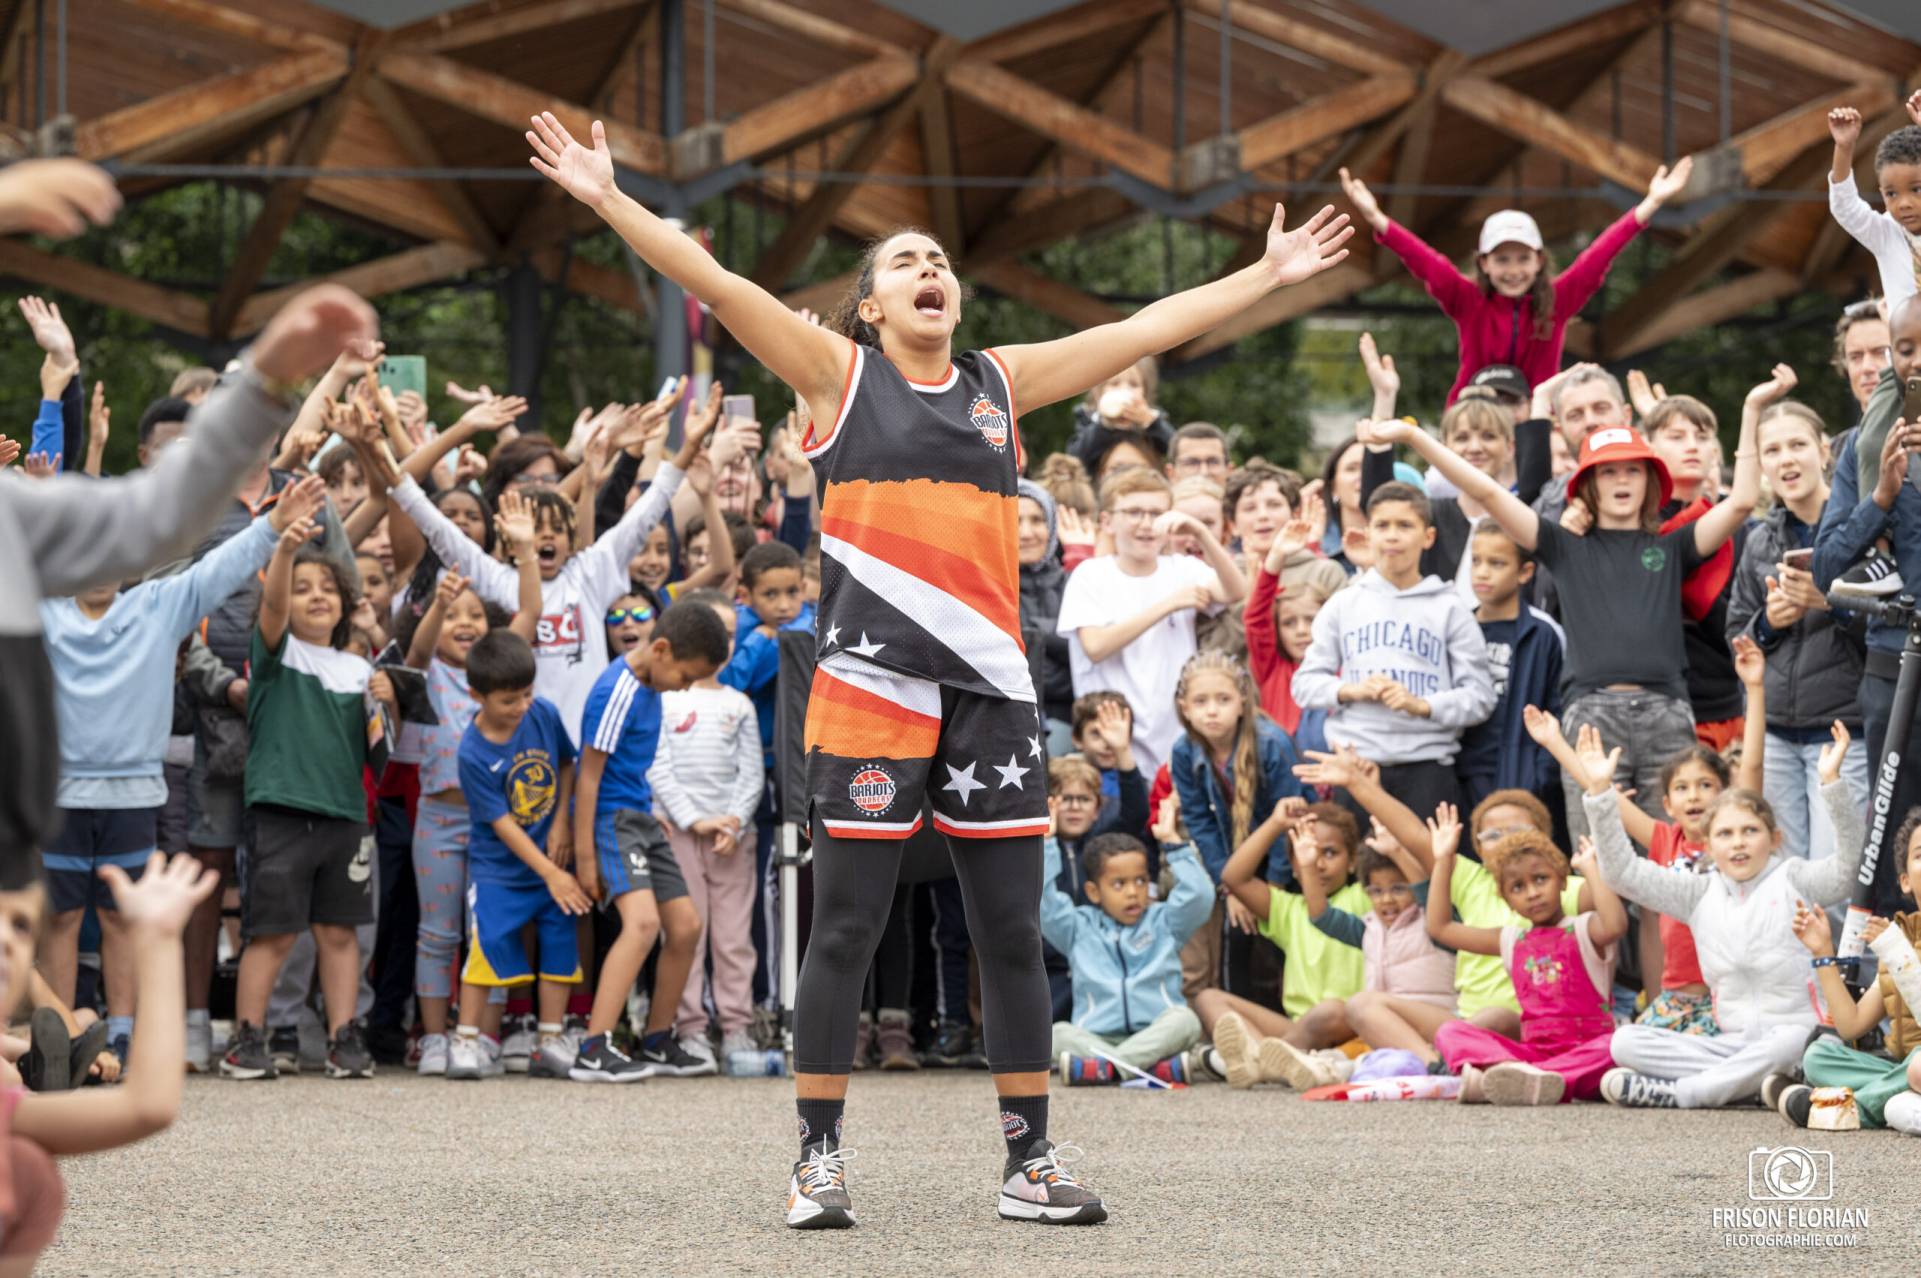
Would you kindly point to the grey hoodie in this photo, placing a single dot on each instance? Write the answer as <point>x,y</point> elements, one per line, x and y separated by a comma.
<point>1425,639</point>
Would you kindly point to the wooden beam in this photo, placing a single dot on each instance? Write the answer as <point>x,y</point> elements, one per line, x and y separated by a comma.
<point>234,22</point>
<point>1062,301</point>
<point>1714,244</point>
<point>1576,37</point>
<point>1446,65</point>
<point>937,161</point>
<point>1341,50</point>
<point>420,148</point>
<point>1073,214</point>
<point>822,31</point>
<point>1768,146</point>
<point>1751,33</point>
<point>1069,123</point>
<point>610,284</point>
<point>176,122</point>
<point>1528,120</point>
<point>1279,307</point>
<point>1709,307</point>
<point>817,108</point>
<point>1067,26</point>
<point>479,23</point>
<point>1323,117</point>
<point>180,311</point>
<point>509,103</point>
<point>404,270</point>
<point>1410,166</point>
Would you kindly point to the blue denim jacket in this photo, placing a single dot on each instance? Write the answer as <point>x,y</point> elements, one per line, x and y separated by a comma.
<point>1209,813</point>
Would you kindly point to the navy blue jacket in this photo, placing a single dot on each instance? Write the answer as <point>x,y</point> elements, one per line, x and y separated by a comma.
<point>1209,813</point>
<point>1500,744</point>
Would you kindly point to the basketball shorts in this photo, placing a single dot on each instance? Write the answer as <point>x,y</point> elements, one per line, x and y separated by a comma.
<point>633,856</point>
<point>882,747</point>
<point>497,955</point>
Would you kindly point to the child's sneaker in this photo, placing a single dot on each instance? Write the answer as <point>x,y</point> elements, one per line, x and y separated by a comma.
<point>817,1195</point>
<point>491,1063</point>
<point>199,1046</point>
<point>894,1041</point>
<point>552,1058</point>
<point>1471,1090</point>
<point>573,1028</point>
<point>247,1057</point>
<point>1086,1071</point>
<point>433,1054</point>
<point>517,1048</point>
<point>599,1061</point>
<point>1902,1113</point>
<point>347,1054</point>
<point>699,1047</point>
<point>1212,1065</point>
<point>283,1041</point>
<point>737,1041</point>
<point>1282,1062</point>
<point>1622,1086</point>
<point>1040,1188</point>
<point>864,1041</point>
<point>1518,1083</point>
<point>1171,1070</point>
<point>1794,1103</point>
<point>1237,1044</point>
<point>1876,574</point>
<point>1774,1085</point>
<point>464,1058</point>
<point>667,1057</point>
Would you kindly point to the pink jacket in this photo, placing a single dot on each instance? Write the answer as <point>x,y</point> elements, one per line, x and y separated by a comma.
<point>1403,960</point>
<point>1495,329</point>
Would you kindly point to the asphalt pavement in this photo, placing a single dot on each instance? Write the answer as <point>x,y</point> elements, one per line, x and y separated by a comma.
<point>400,1175</point>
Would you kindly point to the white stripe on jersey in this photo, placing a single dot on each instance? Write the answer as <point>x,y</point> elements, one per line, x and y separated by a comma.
<point>905,691</point>
<point>846,405</point>
<point>613,716</point>
<point>991,651</point>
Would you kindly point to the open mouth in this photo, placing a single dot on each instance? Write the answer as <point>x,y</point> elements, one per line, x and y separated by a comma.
<point>931,301</point>
<point>466,635</point>
<point>548,554</point>
<point>1789,478</point>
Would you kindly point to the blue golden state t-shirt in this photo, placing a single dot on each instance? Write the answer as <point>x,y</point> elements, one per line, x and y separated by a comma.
<point>520,778</point>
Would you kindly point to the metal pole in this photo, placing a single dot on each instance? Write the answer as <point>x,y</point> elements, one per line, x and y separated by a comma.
<point>524,345</point>
<point>670,304</point>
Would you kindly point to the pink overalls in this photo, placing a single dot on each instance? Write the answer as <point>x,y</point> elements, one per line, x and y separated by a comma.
<point>1565,1022</point>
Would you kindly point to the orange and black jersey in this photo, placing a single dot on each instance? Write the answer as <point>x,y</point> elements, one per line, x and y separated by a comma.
<point>920,571</point>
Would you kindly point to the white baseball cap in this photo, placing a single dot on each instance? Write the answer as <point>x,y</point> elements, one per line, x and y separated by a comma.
<point>1510,226</point>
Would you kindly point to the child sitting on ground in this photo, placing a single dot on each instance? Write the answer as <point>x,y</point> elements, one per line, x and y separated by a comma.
<point>1885,1087</point>
<point>1125,950</point>
<point>707,778</point>
<point>517,771</point>
<point>153,912</point>
<point>1742,915</point>
<point>1562,971</point>
<point>1320,974</point>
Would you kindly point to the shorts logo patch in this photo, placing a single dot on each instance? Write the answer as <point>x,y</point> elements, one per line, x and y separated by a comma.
<point>871,790</point>
<point>361,868</point>
<point>989,418</point>
<point>1013,1126</point>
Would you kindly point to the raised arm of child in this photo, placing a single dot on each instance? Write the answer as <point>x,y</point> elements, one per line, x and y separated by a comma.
<point>1192,899</point>
<point>1851,1019</point>
<point>1242,876</point>
<point>1445,838</point>
<point>1610,921</point>
<point>1714,528</point>
<point>275,592</point>
<point>1344,769</point>
<point>153,912</point>
<point>1856,216</point>
<point>1669,890</point>
<point>1229,585</point>
<point>1581,761</point>
<point>1452,290</point>
<point>427,633</point>
<point>1102,642</point>
<point>1514,516</point>
<point>1830,879</point>
<point>1060,918</point>
<point>514,525</point>
<point>703,474</point>
<point>1751,664</point>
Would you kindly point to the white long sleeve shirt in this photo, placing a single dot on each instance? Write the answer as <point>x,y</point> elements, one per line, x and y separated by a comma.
<point>707,763</point>
<point>570,643</point>
<point>1896,253</point>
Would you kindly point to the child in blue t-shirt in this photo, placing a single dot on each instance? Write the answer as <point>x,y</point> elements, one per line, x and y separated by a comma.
<point>516,770</point>
<point>624,857</point>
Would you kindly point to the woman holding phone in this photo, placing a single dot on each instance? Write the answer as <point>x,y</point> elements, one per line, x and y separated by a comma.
<point>1814,656</point>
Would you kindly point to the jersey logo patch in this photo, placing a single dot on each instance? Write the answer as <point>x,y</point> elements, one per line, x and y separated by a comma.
<point>871,790</point>
<point>990,420</point>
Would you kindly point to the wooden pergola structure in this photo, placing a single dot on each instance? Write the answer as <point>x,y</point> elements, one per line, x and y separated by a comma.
<point>852,117</point>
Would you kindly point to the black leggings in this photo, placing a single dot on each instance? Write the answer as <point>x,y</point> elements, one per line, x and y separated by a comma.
<point>853,894</point>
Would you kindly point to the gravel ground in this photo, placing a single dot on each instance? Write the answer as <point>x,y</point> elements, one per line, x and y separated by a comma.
<point>402,1175</point>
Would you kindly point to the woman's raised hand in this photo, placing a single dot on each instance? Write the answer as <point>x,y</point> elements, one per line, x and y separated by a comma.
<point>586,173</point>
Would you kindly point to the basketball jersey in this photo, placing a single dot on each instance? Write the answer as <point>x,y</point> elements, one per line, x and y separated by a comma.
<point>919,567</point>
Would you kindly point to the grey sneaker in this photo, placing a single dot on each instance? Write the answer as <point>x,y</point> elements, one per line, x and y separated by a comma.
<point>491,1064</point>
<point>347,1054</point>
<point>1039,1187</point>
<point>283,1041</point>
<point>464,1058</point>
<point>247,1057</point>
<point>599,1061</point>
<point>517,1047</point>
<point>1624,1087</point>
<point>433,1054</point>
<point>553,1057</point>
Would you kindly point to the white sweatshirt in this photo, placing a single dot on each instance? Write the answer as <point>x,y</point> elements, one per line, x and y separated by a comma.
<point>570,643</point>
<point>1896,253</point>
<point>707,763</point>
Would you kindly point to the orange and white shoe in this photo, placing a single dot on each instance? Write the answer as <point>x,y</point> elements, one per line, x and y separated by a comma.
<point>1040,1188</point>
<point>817,1194</point>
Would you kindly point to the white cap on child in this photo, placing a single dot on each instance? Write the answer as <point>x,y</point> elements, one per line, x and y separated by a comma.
<point>1510,226</point>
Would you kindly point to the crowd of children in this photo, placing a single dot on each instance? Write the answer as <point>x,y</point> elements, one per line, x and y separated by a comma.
<point>480,749</point>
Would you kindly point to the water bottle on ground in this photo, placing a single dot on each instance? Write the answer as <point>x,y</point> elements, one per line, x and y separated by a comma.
<point>757,1063</point>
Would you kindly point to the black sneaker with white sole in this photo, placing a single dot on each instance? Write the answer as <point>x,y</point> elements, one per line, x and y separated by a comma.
<point>668,1057</point>
<point>817,1195</point>
<point>347,1054</point>
<point>1876,574</point>
<point>247,1056</point>
<point>283,1042</point>
<point>599,1061</point>
<point>1039,1187</point>
<point>1795,1102</point>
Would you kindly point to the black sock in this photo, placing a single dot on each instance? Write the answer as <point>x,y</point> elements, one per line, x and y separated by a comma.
<point>820,1122</point>
<point>1023,1122</point>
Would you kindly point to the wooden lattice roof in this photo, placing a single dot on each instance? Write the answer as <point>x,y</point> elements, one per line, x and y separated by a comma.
<point>1081,119</point>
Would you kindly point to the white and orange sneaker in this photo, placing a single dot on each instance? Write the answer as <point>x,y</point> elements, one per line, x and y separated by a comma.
<point>817,1195</point>
<point>1040,1188</point>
